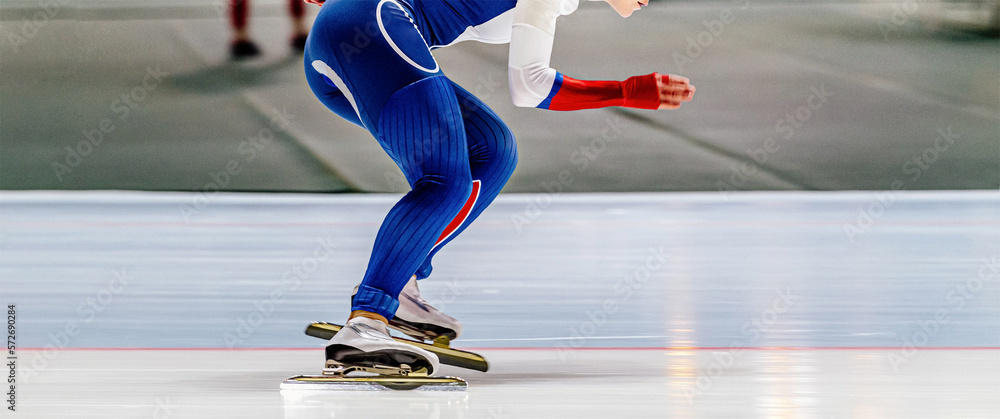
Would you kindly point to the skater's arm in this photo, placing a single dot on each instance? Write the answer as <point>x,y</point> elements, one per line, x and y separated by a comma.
<point>651,91</point>
<point>534,84</point>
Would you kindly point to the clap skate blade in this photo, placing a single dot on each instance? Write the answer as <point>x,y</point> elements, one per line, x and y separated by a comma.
<point>374,383</point>
<point>339,369</point>
<point>441,347</point>
<point>388,378</point>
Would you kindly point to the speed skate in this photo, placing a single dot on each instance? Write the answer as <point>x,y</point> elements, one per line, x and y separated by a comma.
<point>375,377</point>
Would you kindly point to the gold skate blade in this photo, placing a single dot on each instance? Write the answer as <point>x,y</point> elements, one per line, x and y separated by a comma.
<point>334,368</point>
<point>447,355</point>
<point>373,383</point>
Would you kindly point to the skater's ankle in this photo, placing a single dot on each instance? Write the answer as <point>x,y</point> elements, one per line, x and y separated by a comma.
<point>368,315</point>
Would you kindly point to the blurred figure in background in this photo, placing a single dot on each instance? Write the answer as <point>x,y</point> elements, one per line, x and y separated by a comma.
<point>242,46</point>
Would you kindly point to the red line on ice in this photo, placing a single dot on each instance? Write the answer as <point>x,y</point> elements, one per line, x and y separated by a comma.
<point>675,349</point>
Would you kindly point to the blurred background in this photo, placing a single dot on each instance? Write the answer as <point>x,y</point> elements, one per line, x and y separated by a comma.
<point>792,95</point>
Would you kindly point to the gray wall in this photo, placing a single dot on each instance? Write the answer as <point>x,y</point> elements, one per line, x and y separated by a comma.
<point>177,115</point>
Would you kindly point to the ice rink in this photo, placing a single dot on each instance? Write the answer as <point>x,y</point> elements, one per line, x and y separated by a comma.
<point>783,304</point>
<point>622,292</point>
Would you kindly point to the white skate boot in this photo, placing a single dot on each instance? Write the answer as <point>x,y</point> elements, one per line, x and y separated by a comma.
<point>418,319</point>
<point>364,344</point>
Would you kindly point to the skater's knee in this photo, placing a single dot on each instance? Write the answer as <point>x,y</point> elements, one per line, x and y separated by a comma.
<point>505,148</point>
<point>499,150</point>
<point>508,153</point>
<point>448,187</point>
<point>496,164</point>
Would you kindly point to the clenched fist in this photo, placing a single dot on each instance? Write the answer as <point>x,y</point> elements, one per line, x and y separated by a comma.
<point>674,90</point>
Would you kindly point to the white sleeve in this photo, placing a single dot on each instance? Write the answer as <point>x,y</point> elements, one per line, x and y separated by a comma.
<point>531,38</point>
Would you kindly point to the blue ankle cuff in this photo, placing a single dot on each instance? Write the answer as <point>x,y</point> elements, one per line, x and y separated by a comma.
<point>376,301</point>
<point>424,271</point>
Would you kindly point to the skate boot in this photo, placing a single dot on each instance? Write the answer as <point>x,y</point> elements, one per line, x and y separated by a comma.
<point>364,345</point>
<point>419,320</point>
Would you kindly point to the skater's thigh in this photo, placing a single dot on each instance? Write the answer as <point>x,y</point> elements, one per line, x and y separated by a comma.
<point>367,49</point>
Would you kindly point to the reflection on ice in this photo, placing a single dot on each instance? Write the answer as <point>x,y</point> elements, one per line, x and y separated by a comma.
<point>316,404</point>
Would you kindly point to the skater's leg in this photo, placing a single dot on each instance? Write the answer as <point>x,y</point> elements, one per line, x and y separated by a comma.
<point>297,11</point>
<point>397,93</point>
<point>240,45</point>
<point>492,158</point>
<point>400,95</point>
<point>492,155</point>
<point>238,11</point>
<point>422,126</point>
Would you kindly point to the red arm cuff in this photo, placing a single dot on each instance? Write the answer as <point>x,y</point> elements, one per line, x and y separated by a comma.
<point>641,92</point>
<point>634,92</point>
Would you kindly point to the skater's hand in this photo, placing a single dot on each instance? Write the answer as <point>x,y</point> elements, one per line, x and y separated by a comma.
<point>674,90</point>
<point>316,2</point>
